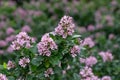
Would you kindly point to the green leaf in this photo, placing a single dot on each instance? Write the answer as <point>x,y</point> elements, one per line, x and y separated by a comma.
<point>47,64</point>
<point>30,77</point>
<point>37,61</point>
<point>76,36</point>
<point>33,68</point>
<point>40,76</point>
<point>5,65</point>
<point>11,78</point>
<point>76,76</point>
<point>54,60</point>
<point>1,67</point>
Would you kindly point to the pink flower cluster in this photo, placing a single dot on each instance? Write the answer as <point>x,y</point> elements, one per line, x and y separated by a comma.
<point>109,20</point>
<point>46,44</point>
<point>65,27</point>
<point>75,50</point>
<point>88,42</point>
<point>10,38</point>
<point>91,28</point>
<point>111,36</point>
<point>106,56</point>
<point>87,74</point>
<point>3,43</point>
<point>3,77</point>
<point>22,13</point>
<point>10,65</point>
<point>22,40</point>
<point>24,61</point>
<point>48,72</point>
<point>106,78</point>
<point>10,31</point>
<point>26,28</point>
<point>90,61</point>
<point>6,36</point>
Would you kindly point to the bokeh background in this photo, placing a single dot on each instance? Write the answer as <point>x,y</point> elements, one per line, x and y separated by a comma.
<point>98,19</point>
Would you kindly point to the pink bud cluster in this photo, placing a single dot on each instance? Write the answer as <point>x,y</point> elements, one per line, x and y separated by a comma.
<point>3,77</point>
<point>87,74</point>
<point>88,42</point>
<point>90,61</point>
<point>75,50</point>
<point>48,72</point>
<point>24,61</point>
<point>106,56</point>
<point>22,40</point>
<point>10,65</point>
<point>65,27</point>
<point>46,44</point>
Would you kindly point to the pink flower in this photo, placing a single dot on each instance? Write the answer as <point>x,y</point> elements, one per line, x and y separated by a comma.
<point>9,49</point>
<point>46,44</point>
<point>109,20</point>
<point>3,43</point>
<point>11,3</point>
<point>106,56</point>
<point>114,3</point>
<point>91,78</point>
<point>82,60</point>
<point>91,28</point>
<point>98,34</point>
<point>1,52</point>
<point>16,45</point>
<point>10,65</point>
<point>65,27</point>
<point>81,29</point>
<point>90,61</point>
<point>99,26</point>
<point>75,50</point>
<point>49,72</point>
<point>29,20</point>
<point>2,24</point>
<point>88,42</point>
<point>26,28</point>
<point>63,72</point>
<point>9,31</point>
<point>106,78</point>
<point>3,77</point>
<point>95,78</point>
<point>34,13</point>
<point>24,61</point>
<point>98,16</point>
<point>86,72</point>
<point>111,36</point>
<point>21,12</point>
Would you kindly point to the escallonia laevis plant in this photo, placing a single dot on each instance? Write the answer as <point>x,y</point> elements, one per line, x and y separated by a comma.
<point>60,55</point>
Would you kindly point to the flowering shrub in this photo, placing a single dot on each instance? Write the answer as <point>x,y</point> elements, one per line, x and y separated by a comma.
<point>56,56</point>
<point>98,47</point>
